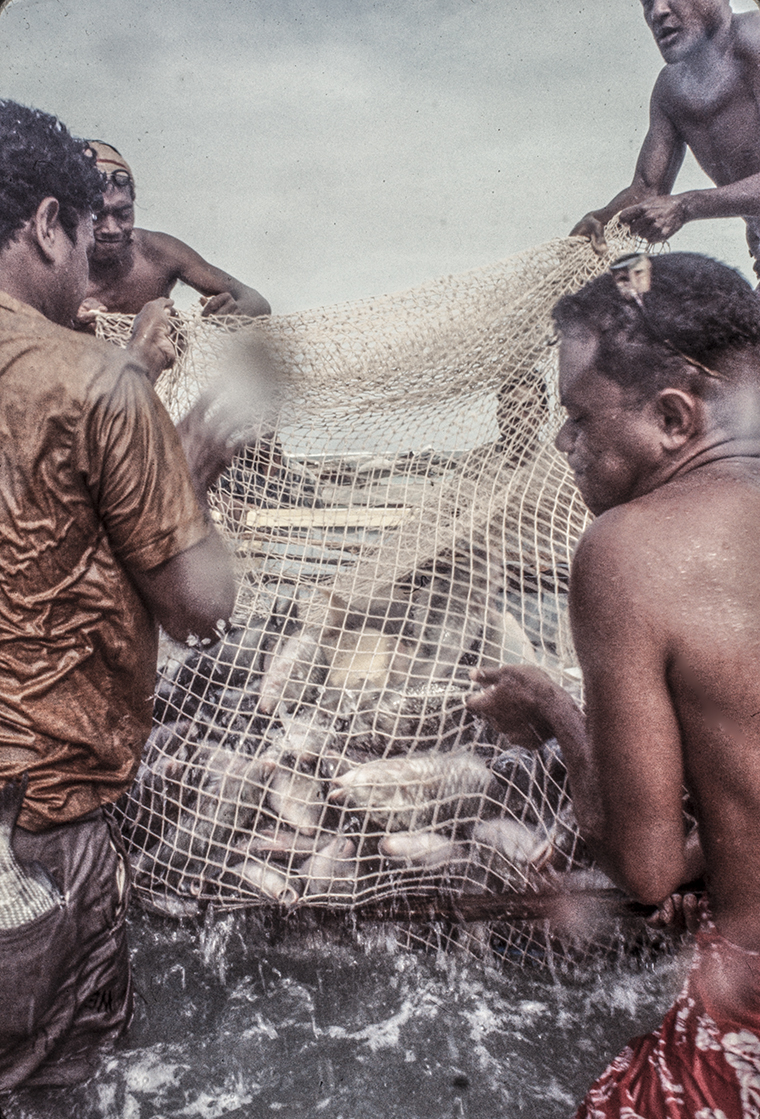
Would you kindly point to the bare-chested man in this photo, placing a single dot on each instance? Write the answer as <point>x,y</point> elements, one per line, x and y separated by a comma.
<point>132,267</point>
<point>660,379</point>
<point>706,98</point>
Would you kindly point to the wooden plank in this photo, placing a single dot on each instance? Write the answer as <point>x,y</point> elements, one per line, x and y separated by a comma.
<point>354,517</point>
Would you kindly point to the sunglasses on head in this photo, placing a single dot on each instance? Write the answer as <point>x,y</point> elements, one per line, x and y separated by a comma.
<point>632,274</point>
<point>119,178</point>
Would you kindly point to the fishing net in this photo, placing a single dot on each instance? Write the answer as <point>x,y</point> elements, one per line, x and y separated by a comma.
<point>402,518</point>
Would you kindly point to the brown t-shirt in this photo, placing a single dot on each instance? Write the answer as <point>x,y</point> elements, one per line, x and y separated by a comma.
<point>93,485</point>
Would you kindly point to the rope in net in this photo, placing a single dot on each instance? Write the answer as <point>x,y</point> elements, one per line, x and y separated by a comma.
<point>402,517</point>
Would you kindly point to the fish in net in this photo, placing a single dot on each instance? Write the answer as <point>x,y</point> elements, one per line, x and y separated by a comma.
<point>400,518</point>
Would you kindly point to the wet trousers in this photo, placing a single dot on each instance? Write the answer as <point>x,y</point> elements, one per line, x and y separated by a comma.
<point>65,984</point>
<point>704,1060</point>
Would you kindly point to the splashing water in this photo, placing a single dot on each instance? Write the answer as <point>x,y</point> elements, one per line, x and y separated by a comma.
<point>237,1022</point>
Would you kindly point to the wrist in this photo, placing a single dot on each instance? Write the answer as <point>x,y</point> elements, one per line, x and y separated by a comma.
<point>560,715</point>
<point>689,205</point>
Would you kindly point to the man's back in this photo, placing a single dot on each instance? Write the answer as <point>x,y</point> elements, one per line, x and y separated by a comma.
<point>682,576</point>
<point>95,490</point>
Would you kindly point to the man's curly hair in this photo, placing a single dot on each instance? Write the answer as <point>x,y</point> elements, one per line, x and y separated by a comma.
<point>695,305</point>
<point>39,159</point>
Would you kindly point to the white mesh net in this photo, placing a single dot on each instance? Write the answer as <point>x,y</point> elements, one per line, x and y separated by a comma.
<point>404,519</point>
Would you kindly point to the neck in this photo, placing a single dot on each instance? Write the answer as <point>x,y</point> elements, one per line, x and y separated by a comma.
<point>20,284</point>
<point>724,451</point>
<point>717,42</point>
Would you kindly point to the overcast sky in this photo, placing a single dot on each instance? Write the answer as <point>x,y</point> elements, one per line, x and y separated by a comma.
<point>325,150</point>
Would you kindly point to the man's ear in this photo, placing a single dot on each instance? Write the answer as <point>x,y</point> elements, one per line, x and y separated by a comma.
<point>45,228</point>
<point>680,415</point>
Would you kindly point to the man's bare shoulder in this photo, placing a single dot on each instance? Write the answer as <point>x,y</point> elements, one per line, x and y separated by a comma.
<point>745,28</point>
<point>614,545</point>
<point>654,536</point>
<point>161,250</point>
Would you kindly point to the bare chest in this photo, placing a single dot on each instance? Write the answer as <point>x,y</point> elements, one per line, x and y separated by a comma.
<point>127,293</point>
<point>717,113</point>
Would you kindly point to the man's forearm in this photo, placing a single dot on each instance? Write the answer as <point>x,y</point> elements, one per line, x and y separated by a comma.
<point>566,722</point>
<point>739,199</point>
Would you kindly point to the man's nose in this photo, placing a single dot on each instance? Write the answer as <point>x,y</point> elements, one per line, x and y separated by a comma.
<point>107,224</point>
<point>563,440</point>
<point>659,9</point>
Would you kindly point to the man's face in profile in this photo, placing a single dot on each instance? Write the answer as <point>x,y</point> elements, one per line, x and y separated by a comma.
<point>72,274</point>
<point>608,439</point>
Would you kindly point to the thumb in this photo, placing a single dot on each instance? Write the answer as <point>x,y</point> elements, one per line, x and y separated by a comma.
<point>598,242</point>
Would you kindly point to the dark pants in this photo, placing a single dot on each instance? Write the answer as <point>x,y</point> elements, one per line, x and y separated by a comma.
<point>65,984</point>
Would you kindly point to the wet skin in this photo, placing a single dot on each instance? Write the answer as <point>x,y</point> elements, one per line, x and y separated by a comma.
<point>706,98</point>
<point>131,267</point>
<point>665,610</point>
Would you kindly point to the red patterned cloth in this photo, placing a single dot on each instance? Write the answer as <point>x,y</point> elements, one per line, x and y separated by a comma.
<point>704,1060</point>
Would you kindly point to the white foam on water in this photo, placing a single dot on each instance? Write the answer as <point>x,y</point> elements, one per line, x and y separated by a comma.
<point>354,1029</point>
<point>387,1034</point>
<point>206,1106</point>
<point>148,1071</point>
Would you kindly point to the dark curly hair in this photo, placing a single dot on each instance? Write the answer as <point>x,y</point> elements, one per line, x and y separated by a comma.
<point>695,308</point>
<point>39,159</point>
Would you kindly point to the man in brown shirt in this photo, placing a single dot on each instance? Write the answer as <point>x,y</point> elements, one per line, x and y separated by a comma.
<point>103,534</point>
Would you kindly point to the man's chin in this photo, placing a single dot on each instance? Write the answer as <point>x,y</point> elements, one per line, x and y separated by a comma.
<point>591,500</point>
<point>102,253</point>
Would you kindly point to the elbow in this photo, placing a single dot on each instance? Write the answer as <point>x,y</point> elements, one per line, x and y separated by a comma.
<point>193,594</point>
<point>261,307</point>
<point>649,883</point>
<point>206,610</point>
<point>651,891</point>
<point>199,620</point>
<point>649,876</point>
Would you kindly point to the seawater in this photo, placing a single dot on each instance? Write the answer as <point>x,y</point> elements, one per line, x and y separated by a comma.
<point>235,1021</point>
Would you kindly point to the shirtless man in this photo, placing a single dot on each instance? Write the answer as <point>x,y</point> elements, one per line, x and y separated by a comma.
<point>707,97</point>
<point>131,267</point>
<point>660,379</point>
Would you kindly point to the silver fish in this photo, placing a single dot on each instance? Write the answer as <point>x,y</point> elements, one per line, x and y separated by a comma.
<point>220,792</point>
<point>332,870</point>
<point>230,786</point>
<point>269,881</point>
<point>281,842</point>
<point>510,849</point>
<point>398,721</point>
<point>306,739</point>
<point>367,660</point>
<point>293,670</point>
<point>296,798</point>
<point>401,794</point>
<point>26,892</point>
<point>504,641</point>
<point>425,849</point>
<point>167,904</point>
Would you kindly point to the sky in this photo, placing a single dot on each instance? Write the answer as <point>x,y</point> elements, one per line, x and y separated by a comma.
<point>331,150</point>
